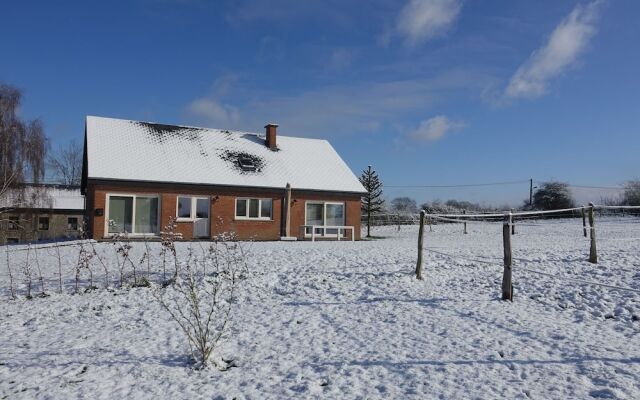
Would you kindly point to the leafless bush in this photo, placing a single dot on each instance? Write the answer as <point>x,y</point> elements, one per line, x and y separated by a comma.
<point>201,303</point>
<point>59,268</point>
<point>167,245</point>
<point>123,246</point>
<point>11,289</point>
<point>146,256</point>
<point>28,274</point>
<point>84,237</point>
<point>40,277</point>
<point>84,263</point>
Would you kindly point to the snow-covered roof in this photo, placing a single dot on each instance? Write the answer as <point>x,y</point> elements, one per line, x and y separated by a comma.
<point>43,197</point>
<point>142,151</point>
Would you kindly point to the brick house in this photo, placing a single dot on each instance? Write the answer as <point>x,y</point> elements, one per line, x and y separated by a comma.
<point>34,213</point>
<point>137,175</point>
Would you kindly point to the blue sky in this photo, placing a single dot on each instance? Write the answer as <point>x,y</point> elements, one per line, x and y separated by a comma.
<point>431,92</point>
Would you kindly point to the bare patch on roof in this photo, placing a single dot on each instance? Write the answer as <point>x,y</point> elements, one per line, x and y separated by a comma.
<point>160,133</point>
<point>243,162</point>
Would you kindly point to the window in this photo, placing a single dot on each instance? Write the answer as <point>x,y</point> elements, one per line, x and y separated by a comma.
<point>184,207</point>
<point>254,208</point>
<point>43,223</point>
<point>323,215</point>
<point>246,163</point>
<point>133,214</point>
<point>192,208</point>
<point>14,223</point>
<point>72,223</point>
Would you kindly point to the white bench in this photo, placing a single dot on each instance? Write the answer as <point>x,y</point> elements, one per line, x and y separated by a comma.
<point>324,234</point>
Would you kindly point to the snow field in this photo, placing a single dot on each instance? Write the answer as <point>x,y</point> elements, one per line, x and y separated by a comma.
<point>349,320</point>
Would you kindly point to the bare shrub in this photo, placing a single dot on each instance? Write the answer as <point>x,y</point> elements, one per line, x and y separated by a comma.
<point>123,246</point>
<point>59,267</point>
<point>40,277</point>
<point>28,273</point>
<point>167,245</point>
<point>12,290</point>
<point>84,263</point>
<point>84,237</point>
<point>146,256</point>
<point>201,303</point>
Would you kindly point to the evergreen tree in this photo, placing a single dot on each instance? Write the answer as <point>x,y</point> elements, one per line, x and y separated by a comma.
<point>372,202</point>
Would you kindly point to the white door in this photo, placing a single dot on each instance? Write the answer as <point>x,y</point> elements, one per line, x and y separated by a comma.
<point>201,221</point>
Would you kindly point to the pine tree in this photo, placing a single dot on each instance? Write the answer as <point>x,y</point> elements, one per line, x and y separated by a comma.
<point>372,202</point>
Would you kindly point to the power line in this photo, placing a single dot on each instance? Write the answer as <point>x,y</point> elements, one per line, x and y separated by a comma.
<point>500,184</point>
<point>597,187</point>
<point>462,185</point>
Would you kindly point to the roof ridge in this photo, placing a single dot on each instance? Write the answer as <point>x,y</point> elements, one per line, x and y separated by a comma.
<point>228,131</point>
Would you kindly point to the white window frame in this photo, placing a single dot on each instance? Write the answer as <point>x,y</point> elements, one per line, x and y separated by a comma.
<point>194,201</point>
<point>247,217</point>
<point>133,213</point>
<point>323,233</point>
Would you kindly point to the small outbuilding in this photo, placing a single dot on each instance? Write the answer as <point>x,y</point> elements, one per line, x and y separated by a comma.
<point>41,212</point>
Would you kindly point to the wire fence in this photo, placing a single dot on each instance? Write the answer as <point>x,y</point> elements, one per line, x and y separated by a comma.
<point>85,265</point>
<point>509,219</point>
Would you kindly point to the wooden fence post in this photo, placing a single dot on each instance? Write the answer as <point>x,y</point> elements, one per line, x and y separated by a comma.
<point>507,286</point>
<point>420,238</point>
<point>465,222</point>
<point>593,253</point>
<point>584,222</point>
<point>513,225</point>
<point>430,224</point>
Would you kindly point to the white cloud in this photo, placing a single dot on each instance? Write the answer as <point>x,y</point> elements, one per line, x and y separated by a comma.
<point>213,113</point>
<point>435,128</point>
<point>421,20</point>
<point>567,41</point>
<point>360,107</point>
<point>342,58</point>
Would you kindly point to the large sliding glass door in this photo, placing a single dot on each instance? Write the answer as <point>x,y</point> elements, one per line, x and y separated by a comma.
<point>120,218</point>
<point>322,215</point>
<point>135,214</point>
<point>146,220</point>
<point>334,216</point>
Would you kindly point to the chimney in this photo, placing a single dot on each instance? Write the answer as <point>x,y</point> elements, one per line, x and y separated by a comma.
<point>271,135</point>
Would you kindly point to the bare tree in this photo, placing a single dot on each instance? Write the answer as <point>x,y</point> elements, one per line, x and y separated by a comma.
<point>23,144</point>
<point>631,194</point>
<point>66,163</point>
<point>553,195</point>
<point>23,149</point>
<point>404,205</point>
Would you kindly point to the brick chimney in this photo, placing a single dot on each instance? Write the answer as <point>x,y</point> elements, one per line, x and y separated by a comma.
<point>271,136</point>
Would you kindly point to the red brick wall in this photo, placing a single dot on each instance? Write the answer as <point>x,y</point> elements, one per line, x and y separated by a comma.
<point>222,212</point>
<point>298,205</point>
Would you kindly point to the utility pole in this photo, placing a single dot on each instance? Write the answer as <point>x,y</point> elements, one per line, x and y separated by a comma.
<point>531,192</point>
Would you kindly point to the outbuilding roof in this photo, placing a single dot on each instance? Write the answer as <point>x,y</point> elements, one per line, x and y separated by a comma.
<point>127,150</point>
<point>45,197</point>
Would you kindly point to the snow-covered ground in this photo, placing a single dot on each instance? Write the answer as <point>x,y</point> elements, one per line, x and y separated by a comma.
<point>349,320</point>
